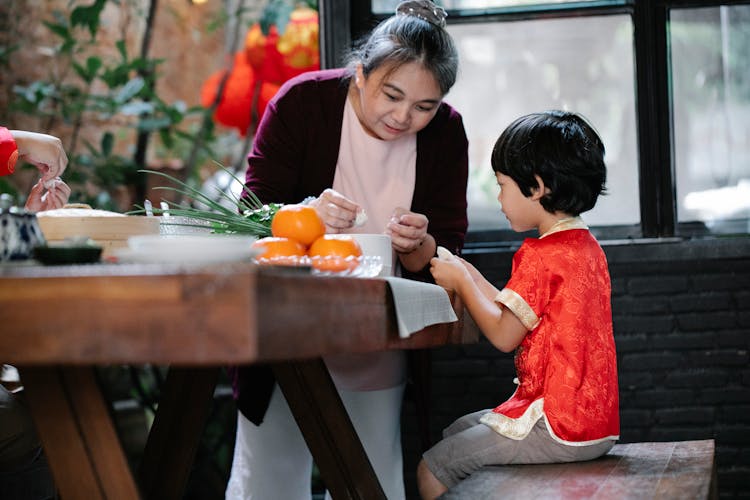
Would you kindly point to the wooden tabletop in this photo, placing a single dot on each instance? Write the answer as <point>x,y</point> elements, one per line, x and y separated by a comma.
<point>58,322</point>
<point>219,314</point>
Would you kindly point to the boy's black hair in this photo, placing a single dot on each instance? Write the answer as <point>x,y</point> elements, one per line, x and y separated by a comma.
<point>563,150</point>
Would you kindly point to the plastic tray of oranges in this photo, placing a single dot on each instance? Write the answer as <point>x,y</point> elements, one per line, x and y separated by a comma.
<point>336,261</point>
<point>299,240</point>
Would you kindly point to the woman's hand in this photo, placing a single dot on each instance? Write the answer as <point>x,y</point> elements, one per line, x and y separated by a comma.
<point>410,239</point>
<point>338,212</point>
<point>55,197</point>
<point>408,230</point>
<point>43,151</point>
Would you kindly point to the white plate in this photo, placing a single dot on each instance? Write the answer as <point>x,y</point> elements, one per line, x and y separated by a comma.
<point>188,249</point>
<point>195,242</point>
<point>128,255</point>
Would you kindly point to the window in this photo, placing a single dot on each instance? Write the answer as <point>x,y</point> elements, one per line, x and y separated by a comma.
<point>583,64</point>
<point>710,57</point>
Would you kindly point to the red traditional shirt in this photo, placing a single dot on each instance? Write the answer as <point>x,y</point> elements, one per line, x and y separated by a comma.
<point>8,152</point>
<point>566,364</point>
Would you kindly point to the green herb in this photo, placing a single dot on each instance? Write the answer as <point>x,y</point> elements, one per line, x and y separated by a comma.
<point>255,218</point>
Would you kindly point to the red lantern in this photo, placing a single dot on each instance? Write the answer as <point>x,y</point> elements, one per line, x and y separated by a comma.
<point>263,55</point>
<point>234,108</point>
<point>299,43</point>
<point>264,64</point>
<point>267,91</point>
<point>255,46</point>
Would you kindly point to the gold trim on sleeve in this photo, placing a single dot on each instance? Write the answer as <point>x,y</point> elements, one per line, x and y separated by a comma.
<point>519,307</point>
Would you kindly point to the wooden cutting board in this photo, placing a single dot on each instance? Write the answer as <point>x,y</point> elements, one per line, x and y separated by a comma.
<point>109,229</point>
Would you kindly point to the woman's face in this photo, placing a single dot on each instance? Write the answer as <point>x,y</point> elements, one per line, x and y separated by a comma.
<point>392,105</point>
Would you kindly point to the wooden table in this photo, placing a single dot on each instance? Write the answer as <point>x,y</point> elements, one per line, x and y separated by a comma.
<point>58,323</point>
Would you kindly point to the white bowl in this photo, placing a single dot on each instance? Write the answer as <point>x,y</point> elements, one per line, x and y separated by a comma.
<point>378,245</point>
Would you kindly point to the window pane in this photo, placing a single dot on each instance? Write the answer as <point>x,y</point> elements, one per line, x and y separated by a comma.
<point>579,64</point>
<point>388,6</point>
<point>710,51</point>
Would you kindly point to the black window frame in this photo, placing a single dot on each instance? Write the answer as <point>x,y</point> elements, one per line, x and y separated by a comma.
<point>343,21</point>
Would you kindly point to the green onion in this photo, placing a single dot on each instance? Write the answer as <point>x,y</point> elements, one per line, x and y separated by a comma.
<point>255,217</point>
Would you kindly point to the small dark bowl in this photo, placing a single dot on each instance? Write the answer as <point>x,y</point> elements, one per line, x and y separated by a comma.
<point>58,255</point>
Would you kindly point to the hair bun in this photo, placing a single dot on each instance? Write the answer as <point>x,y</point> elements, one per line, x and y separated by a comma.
<point>423,9</point>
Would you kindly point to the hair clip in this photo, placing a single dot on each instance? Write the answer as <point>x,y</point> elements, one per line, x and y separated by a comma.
<point>423,9</point>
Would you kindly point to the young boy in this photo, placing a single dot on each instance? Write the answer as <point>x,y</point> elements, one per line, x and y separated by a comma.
<point>555,310</point>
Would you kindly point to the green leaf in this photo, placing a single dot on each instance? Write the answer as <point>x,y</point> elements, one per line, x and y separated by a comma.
<point>137,108</point>
<point>93,64</point>
<point>88,16</point>
<point>122,48</point>
<point>116,76</point>
<point>174,114</point>
<point>277,13</point>
<point>130,90</point>
<point>58,29</point>
<point>81,71</point>
<point>152,124</point>
<point>166,138</point>
<point>108,142</point>
<point>180,106</point>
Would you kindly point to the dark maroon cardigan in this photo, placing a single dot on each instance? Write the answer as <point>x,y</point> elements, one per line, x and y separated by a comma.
<point>294,155</point>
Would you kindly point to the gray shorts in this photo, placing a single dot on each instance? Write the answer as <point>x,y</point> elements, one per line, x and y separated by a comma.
<point>468,445</point>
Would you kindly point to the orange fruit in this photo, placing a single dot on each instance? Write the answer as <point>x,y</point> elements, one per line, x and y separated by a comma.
<point>298,222</point>
<point>335,253</point>
<point>281,251</point>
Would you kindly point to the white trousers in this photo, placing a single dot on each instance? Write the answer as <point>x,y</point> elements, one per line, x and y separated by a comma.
<point>271,461</point>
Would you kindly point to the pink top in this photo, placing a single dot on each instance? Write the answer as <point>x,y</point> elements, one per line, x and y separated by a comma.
<point>566,364</point>
<point>379,175</point>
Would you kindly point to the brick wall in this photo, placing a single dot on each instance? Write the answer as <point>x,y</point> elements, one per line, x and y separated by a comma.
<point>681,313</point>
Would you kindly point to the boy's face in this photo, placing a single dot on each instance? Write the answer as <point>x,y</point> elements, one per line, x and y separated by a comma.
<point>522,212</point>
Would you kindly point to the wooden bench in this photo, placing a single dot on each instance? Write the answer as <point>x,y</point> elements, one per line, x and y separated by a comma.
<point>674,470</point>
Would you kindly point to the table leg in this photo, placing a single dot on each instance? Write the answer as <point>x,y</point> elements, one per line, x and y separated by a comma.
<point>77,433</point>
<point>175,434</point>
<point>327,429</point>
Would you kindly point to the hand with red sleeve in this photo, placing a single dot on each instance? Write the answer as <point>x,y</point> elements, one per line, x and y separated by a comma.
<point>46,153</point>
<point>43,151</point>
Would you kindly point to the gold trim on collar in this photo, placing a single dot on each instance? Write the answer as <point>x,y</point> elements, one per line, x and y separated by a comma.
<point>565,225</point>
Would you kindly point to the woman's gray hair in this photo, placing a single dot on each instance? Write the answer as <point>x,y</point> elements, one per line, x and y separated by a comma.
<point>405,38</point>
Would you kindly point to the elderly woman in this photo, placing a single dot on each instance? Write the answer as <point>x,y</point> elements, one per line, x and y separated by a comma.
<point>377,137</point>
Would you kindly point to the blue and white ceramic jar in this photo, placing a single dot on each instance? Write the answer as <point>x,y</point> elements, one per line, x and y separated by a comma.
<point>19,231</point>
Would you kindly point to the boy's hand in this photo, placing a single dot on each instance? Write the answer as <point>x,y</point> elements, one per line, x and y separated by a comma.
<point>449,271</point>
